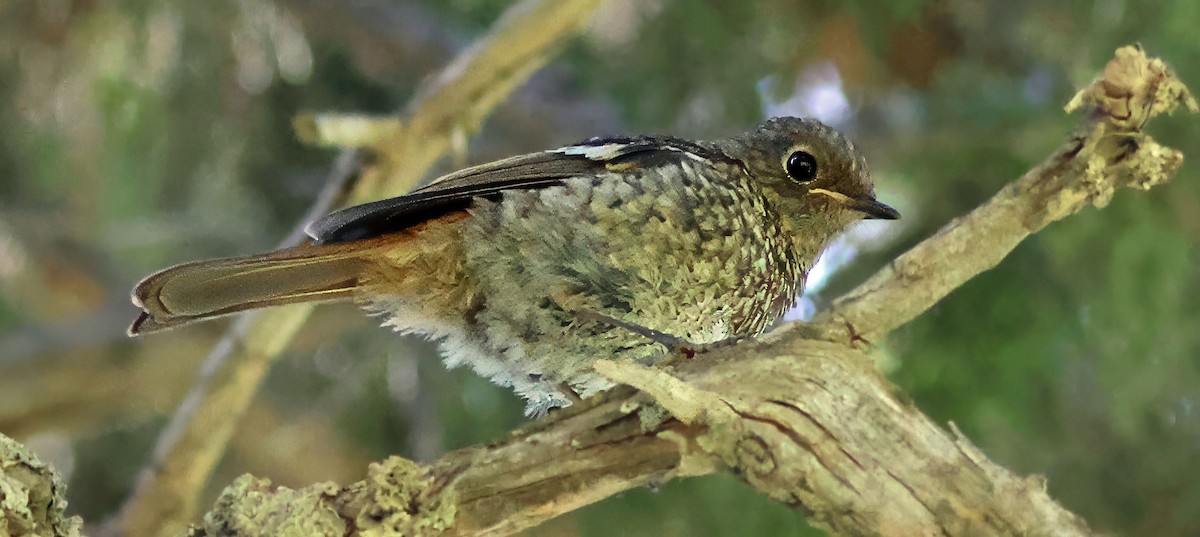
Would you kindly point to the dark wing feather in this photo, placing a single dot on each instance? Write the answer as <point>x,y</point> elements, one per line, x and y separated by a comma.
<point>455,191</point>
<point>450,193</point>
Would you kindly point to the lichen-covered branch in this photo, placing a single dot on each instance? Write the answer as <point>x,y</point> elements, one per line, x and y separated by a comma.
<point>31,495</point>
<point>451,104</point>
<point>810,423</point>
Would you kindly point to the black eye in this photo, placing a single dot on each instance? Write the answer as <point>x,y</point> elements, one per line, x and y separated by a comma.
<point>802,166</point>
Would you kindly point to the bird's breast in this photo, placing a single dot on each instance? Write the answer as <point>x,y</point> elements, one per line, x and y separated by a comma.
<point>682,249</point>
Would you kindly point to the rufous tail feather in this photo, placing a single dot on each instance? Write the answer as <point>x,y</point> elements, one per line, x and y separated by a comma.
<point>206,289</point>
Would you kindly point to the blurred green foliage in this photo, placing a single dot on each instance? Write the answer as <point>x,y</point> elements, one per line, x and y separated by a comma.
<point>137,134</point>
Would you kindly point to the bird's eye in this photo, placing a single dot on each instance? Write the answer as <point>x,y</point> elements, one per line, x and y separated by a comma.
<point>802,166</point>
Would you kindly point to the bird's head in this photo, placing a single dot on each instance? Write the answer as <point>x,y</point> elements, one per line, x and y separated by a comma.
<point>812,173</point>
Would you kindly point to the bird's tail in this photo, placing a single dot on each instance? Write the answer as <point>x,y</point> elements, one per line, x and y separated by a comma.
<point>206,289</point>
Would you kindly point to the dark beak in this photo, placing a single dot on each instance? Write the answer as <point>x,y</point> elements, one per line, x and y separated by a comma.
<point>868,205</point>
<point>873,209</point>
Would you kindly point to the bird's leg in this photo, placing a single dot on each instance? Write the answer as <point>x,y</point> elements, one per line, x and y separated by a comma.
<point>855,337</point>
<point>673,343</point>
<point>573,396</point>
<point>667,340</point>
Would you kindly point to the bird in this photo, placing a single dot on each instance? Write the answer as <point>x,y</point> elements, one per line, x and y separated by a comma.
<point>531,268</point>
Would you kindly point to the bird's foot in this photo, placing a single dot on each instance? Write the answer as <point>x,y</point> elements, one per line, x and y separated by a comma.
<point>674,344</point>
<point>855,337</point>
<point>567,391</point>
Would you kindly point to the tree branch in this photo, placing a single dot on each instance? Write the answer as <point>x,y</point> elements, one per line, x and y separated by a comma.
<point>452,104</point>
<point>1106,152</point>
<point>31,495</point>
<point>809,423</point>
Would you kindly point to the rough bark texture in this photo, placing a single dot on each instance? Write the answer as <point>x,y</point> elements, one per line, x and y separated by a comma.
<point>807,422</point>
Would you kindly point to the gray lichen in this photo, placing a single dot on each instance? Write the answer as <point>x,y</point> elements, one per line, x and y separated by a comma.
<point>396,498</point>
<point>31,495</point>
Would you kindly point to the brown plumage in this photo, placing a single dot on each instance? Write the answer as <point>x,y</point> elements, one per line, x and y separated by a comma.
<point>310,272</point>
<point>530,268</point>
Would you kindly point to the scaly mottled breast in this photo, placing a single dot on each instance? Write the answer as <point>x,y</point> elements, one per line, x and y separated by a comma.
<point>686,248</point>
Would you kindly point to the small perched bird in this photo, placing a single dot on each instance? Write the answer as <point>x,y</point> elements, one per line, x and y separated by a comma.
<point>530,268</point>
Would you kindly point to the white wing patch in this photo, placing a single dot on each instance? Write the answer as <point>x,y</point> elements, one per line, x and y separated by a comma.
<point>609,151</point>
<point>593,152</point>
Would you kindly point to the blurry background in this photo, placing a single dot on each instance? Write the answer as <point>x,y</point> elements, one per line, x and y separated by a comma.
<point>137,134</point>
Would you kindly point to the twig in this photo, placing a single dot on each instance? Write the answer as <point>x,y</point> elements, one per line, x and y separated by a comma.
<point>809,423</point>
<point>458,99</point>
<point>390,40</point>
<point>1107,151</point>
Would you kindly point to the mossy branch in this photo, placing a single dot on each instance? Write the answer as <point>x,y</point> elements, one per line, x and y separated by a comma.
<point>32,495</point>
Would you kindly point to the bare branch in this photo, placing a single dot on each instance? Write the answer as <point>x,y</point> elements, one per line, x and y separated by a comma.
<point>1108,151</point>
<point>344,130</point>
<point>454,102</point>
<point>809,423</point>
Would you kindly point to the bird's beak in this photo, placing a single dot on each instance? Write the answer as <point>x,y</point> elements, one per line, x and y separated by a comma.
<point>867,205</point>
<point>873,208</point>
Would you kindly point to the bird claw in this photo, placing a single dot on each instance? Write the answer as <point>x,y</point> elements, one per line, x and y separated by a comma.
<point>855,337</point>
<point>567,391</point>
<point>673,343</point>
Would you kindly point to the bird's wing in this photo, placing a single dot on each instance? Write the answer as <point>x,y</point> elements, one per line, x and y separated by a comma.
<point>454,192</point>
